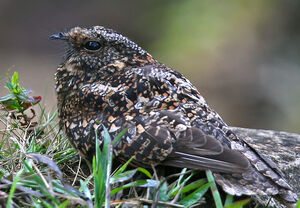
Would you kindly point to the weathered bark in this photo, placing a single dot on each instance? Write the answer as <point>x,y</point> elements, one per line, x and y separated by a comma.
<point>283,148</point>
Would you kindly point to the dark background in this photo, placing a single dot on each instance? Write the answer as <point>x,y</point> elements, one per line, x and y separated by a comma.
<point>242,55</point>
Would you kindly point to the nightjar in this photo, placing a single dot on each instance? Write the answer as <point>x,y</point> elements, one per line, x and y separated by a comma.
<point>107,78</point>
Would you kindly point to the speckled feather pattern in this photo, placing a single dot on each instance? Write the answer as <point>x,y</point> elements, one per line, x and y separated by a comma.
<point>121,86</point>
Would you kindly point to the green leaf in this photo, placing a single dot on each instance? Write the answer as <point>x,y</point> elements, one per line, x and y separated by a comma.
<point>119,205</point>
<point>22,97</point>
<point>121,177</point>
<point>28,166</point>
<point>15,80</point>
<point>71,153</point>
<point>65,190</point>
<point>46,204</point>
<point>181,177</point>
<point>107,149</point>
<point>180,183</point>
<point>13,189</point>
<point>214,189</point>
<point>195,196</point>
<point>163,196</point>
<point>150,184</point>
<point>101,169</point>
<point>123,167</point>
<point>129,185</point>
<point>298,204</point>
<point>146,172</point>
<point>119,136</point>
<point>9,86</point>
<point>64,204</point>
<point>84,187</point>
<point>11,104</point>
<point>32,146</point>
<point>228,200</point>
<point>7,97</point>
<point>25,91</point>
<point>238,204</point>
<point>119,172</point>
<point>190,187</point>
<point>99,179</point>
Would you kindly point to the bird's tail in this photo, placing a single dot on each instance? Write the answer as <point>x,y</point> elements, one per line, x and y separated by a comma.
<point>288,198</point>
<point>254,184</point>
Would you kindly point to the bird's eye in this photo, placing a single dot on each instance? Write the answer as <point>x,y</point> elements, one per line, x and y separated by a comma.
<point>92,45</point>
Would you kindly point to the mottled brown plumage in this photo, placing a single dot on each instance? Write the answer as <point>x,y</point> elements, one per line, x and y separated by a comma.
<point>107,78</point>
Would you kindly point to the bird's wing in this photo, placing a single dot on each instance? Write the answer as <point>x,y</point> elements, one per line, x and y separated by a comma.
<point>191,147</point>
<point>159,139</point>
<point>200,151</point>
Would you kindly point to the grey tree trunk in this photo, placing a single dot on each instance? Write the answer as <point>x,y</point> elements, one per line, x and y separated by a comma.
<point>282,147</point>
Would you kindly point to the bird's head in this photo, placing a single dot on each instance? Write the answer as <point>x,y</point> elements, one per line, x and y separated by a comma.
<point>96,47</point>
<point>94,54</point>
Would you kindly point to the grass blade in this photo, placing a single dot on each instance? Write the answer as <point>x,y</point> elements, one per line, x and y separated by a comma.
<point>190,187</point>
<point>298,204</point>
<point>118,137</point>
<point>129,185</point>
<point>214,189</point>
<point>64,204</point>
<point>228,200</point>
<point>238,204</point>
<point>146,172</point>
<point>121,170</point>
<point>121,177</point>
<point>107,149</point>
<point>13,189</point>
<point>195,196</point>
<point>102,169</point>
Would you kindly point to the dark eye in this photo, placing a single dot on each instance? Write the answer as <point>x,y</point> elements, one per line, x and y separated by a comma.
<point>92,45</point>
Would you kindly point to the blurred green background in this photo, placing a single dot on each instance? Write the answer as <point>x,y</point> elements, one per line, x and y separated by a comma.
<point>243,56</point>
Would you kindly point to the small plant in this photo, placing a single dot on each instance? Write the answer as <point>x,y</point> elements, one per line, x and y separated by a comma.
<point>102,169</point>
<point>18,101</point>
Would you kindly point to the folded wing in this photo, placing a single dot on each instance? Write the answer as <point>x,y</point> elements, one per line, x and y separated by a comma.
<point>199,151</point>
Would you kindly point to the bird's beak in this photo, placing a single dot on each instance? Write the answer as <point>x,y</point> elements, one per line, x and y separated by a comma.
<point>59,36</point>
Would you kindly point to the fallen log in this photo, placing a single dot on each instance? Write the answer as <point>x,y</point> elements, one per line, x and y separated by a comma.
<point>282,147</point>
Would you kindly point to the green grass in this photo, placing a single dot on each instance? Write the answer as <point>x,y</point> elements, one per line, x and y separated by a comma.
<point>39,168</point>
